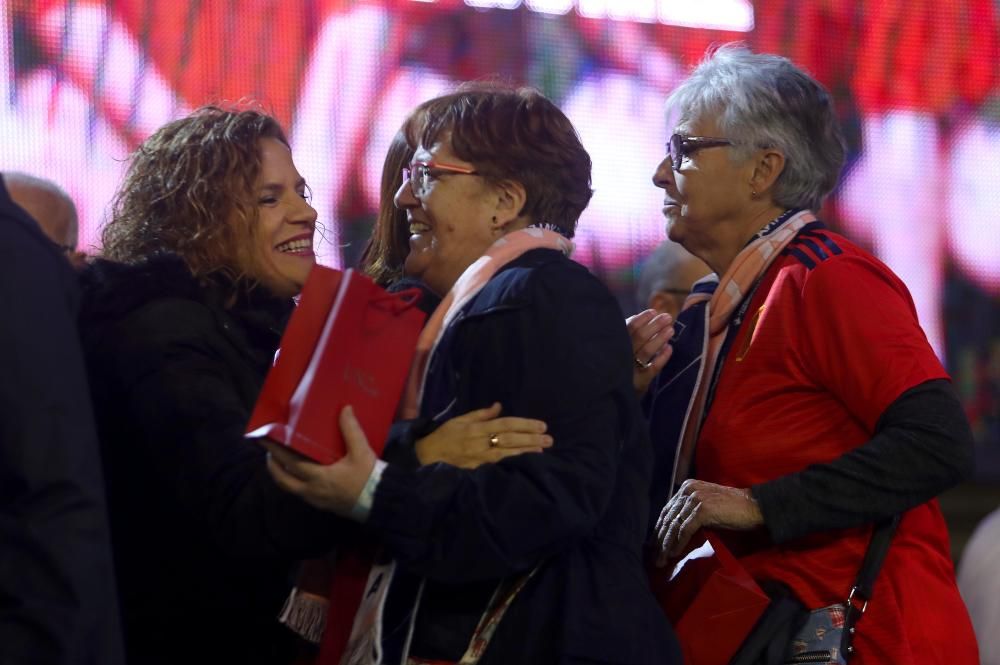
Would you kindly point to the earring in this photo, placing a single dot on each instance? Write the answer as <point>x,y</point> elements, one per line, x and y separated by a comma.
<point>753,193</point>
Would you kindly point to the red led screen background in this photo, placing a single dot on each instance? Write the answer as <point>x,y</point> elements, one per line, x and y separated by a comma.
<point>916,84</point>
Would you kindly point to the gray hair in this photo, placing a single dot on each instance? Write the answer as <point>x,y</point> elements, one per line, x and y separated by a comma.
<point>765,101</point>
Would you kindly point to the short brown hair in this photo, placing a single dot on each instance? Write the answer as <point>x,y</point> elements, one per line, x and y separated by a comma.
<point>189,190</point>
<point>511,133</point>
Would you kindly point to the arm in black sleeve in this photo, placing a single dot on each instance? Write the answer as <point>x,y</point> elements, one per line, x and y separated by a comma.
<point>185,402</point>
<point>401,445</point>
<point>922,446</point>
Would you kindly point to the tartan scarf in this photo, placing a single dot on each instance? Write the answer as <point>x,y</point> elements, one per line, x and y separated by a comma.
<point>738,281</point>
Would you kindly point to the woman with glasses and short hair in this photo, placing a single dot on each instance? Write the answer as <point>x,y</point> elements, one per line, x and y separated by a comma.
<point>535,559</point>
<point>802,403</point>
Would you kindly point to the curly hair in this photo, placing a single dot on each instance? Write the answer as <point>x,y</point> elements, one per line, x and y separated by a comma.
<point>189,190</point>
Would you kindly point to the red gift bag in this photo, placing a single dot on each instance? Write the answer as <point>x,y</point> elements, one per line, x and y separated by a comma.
<point>711,600</point>
<point>348,342</point>
<point>297,345</point>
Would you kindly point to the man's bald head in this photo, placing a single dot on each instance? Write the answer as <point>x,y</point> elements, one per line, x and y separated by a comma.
<point>667,276</point>
<point>48,204</point>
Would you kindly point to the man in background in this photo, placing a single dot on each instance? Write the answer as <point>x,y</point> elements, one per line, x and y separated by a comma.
<point>51,208</point>
<point>666,278</point>
<point>58,602</point>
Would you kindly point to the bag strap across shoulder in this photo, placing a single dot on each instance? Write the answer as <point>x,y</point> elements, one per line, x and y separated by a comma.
<point>877,549</point>
<point>861,592</point>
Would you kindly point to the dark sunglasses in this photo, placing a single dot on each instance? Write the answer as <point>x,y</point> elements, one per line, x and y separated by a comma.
<point>680,147</point>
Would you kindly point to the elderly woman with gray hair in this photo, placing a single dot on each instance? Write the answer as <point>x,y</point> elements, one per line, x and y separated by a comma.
<point>802,404</point>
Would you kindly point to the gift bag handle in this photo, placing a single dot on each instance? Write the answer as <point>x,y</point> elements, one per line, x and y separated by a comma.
<point>398,302</point>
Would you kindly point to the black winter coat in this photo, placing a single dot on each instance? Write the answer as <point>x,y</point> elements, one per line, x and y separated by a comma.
<point>205,542</point>
<point>547,340</point>
<point>58,604</point>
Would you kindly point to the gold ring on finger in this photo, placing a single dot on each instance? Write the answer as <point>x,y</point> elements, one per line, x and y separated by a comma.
<point>494,440</point>
<point>640,364</point>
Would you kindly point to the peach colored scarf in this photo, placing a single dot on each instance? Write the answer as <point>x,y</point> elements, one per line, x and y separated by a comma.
<point>475,277</point>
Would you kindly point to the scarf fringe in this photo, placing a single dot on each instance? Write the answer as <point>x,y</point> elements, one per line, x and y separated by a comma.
<point>305,614</point>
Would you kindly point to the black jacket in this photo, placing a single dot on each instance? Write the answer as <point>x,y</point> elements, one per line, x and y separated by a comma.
<point>547,340</point>
<point>57,590</point>
<point>204,541</point>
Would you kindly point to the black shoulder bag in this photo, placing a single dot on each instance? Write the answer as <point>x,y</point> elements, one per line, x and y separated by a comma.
<point>789,633</point>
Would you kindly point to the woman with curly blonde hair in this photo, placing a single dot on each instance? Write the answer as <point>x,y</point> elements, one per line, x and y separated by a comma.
<point>210,238</point>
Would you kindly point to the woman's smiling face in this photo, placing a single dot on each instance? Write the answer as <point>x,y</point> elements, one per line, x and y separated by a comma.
<point>284,247</point>
<point>452,222</point>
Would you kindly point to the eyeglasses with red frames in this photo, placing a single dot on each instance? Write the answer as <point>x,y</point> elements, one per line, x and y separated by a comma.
<point>680,147</point>
<point>419,175</point>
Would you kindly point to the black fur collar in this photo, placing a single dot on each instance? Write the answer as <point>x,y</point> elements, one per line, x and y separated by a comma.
<point>112,290</point>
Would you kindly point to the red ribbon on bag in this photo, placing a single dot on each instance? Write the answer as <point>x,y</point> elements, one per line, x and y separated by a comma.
<point>348,342</point>
<point>710,599</point>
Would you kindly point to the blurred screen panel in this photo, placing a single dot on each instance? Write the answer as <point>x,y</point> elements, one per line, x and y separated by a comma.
<point>915,83</point>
